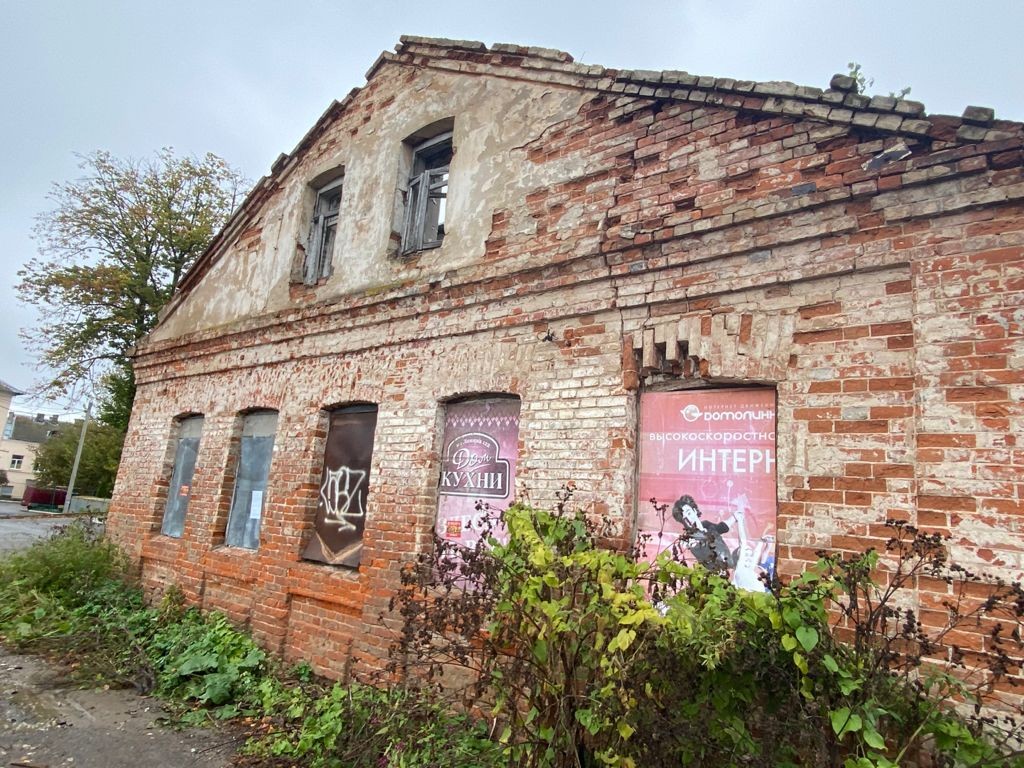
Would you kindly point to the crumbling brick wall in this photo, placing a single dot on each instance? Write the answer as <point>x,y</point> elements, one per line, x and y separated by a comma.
<point>662,230</point>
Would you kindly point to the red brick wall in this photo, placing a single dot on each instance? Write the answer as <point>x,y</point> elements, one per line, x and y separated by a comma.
<point>885,306</point>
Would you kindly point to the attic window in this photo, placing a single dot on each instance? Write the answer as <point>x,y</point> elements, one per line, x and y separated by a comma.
<point>322,232</point>
<point>426,199</point>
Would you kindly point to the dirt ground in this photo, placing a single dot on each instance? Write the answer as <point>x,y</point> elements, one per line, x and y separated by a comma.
<point>45,722</point>
<point>48,722</point>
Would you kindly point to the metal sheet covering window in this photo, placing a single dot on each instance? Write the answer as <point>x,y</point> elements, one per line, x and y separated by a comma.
<point>180,490</point>
<point>254,457</point>
<point>344,485</point>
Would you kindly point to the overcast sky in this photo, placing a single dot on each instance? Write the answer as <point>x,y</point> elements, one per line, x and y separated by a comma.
<point>245,79</point>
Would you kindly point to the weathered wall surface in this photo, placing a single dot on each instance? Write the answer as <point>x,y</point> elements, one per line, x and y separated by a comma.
<point>659,241</point>
<point>487,170</point>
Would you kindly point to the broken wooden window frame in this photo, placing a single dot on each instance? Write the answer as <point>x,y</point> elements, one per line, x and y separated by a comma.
<point>426,197</point>
<point>322,232</point>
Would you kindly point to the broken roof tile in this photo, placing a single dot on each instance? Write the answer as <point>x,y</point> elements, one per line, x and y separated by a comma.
<point>968,132</point>
<point>442,42</point>
<point>882,103</point>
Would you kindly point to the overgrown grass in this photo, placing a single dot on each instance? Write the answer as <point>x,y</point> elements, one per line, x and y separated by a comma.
<point>71,596</point>
<point>587,656</point>
<point>74,597</point>
<point>350,725</point>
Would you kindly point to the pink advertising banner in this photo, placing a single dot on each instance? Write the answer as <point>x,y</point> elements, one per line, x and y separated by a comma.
<point>478,465</point>
<point>707,460</point>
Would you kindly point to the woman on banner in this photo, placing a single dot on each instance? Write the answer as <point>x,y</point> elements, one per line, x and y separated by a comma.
<point>745,564</point>
<point>704,538</point>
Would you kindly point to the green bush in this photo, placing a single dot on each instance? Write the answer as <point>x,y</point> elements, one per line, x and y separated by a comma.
<point>584,655</point>
<point>202,659</point>
<point>72,595</point>
<point>593,657</point>
<point>350,725</point>
<point>69,566</point>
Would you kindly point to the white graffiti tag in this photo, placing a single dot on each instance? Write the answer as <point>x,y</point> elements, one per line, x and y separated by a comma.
<point>342,498</point>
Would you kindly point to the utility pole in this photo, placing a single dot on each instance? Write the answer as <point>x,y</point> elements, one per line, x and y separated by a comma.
<point>78,458</point>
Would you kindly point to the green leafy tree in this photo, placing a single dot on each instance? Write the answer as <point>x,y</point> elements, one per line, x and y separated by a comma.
<point>98,467</point>
<point>112,250</point>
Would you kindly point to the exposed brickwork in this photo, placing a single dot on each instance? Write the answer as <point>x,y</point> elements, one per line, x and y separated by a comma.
<point>729,234</point>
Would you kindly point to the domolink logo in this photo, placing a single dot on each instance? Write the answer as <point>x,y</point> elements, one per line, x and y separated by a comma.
<point>693,413</point>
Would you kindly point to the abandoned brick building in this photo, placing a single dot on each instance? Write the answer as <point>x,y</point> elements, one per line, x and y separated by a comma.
<point>793,312</point>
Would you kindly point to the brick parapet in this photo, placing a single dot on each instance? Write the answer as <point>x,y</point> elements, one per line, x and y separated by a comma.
<point>839,104</point>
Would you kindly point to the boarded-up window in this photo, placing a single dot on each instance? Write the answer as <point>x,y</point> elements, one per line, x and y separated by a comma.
<point>707,459</point>
<point>478,464</point>
<point>189,432</point>
<point>344,484</point>
<point>254,457</point>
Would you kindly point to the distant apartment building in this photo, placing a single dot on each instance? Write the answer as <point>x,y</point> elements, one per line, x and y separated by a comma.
<point>21,438</point>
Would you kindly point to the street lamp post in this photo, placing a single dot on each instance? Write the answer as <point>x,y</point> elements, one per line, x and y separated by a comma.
<point>78,458</point>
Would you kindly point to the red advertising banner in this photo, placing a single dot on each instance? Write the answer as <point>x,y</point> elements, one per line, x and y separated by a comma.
<point>478,464</point>
<point>707,460</point>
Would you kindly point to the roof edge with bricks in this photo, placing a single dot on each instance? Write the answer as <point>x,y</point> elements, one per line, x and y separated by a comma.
<point>839,105</point>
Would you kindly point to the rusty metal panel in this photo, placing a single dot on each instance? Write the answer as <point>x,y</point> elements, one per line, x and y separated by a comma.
<point>341,509</point>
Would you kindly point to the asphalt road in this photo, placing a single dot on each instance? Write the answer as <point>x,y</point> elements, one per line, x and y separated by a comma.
<point>18,528</point>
